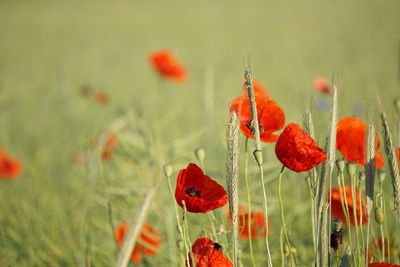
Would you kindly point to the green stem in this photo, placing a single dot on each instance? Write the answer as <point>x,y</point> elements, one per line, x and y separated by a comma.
<point>283,217</point>
<point>246,178</point>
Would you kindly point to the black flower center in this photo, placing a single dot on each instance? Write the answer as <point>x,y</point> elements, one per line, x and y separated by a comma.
<point>217,246</point>
<point>193,192</point>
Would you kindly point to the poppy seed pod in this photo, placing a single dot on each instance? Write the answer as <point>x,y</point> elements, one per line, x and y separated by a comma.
<point>167,170</point>
<point>351,169</point>
<point>200,154</point>
<point>340,165</point>
<point>258,156</point>
<point>381,175</point>
<point>379,216</point>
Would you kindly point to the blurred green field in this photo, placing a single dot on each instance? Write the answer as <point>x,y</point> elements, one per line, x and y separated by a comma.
<point>55,213</point>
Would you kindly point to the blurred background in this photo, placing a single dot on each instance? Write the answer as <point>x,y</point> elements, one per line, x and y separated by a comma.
<point>53,214</point>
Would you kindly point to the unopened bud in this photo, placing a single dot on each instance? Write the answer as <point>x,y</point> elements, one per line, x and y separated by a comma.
<point>167,170</point>
<point>200,154</point>
<point>381,175</point>
<point>340,165</point>
<point>379,217</point>
<point>258,156</point>
<point>351,169</point>
<point>361,176</point>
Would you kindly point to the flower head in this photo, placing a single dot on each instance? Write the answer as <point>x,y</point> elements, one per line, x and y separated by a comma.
<point>321,85</point>
<point>337,209</point>
<point>9,167</point>
<point>199,192</point>
<point>101,97</point>
<point>109,145</point>
<point>207,253</point>
<point>271,117</point>
<point>297,150</point>
<point>167,66</point>
<point>351,136</point>
<point>148,242</point>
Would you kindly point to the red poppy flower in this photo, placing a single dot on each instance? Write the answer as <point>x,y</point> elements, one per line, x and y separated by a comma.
<point>337,210</point>
<point>297,150</point>
<point>101,97</point>
<point>271,117</point>
<point>351,136</point>
<point>148,242</point>
<point>9,167</point>
<point>167,66</point>
<point>257,223</point>
<point>398,155</point>
<point>109,145</point>
<point>200,192</point>
<point>382,264</point>
<point>321,85</point>
<point>207,253</point>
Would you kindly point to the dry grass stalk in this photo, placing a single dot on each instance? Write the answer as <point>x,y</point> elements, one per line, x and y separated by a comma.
<point>324,243</point>
<point>232,177</point>
<point>370,169</point>
<point>369,180</point>
<point>248,84</point>
<point>135,227</point>
<point>391,156</point>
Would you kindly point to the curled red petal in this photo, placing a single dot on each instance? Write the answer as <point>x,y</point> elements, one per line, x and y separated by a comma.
<point>297,150</point>
<point>208,194</point>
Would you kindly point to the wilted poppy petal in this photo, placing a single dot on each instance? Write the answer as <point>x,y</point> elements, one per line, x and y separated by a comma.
<point>199,191</point>
<point>297,150</point>
<point>207,253</point>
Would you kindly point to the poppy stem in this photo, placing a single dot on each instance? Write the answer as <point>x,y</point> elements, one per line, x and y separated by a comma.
<point>292,263</point>
<point>265,211</point>
<point>246,178</point>
<point>178,222</point>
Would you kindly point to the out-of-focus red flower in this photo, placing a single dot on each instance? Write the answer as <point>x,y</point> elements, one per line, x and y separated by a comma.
<point>109,145</point>
<point>167,66</point>
<point>10,167</point>
<point>375,248</point>
<point>271,117</point>
<point>101,97</point>
<point>382,264</point>
<point>321,85</point>
<point>351,136</point>
<point>398,155</point>
<point>199,191</point>
<point>297,150</point>
<point>148,242</point>
<point>337,210</point>
<point>257,223</point>
<point>207,253</point>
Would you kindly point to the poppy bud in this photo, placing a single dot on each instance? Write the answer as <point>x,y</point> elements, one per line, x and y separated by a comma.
<point>200,154</point>
<point>379,217</point>
<point>258,156</point>
<point>381,175</point>
<point>167,170</point>
<point>340,165</point>
<point>337,224</point>
<point>351,169</point>
<point>361,176</point>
